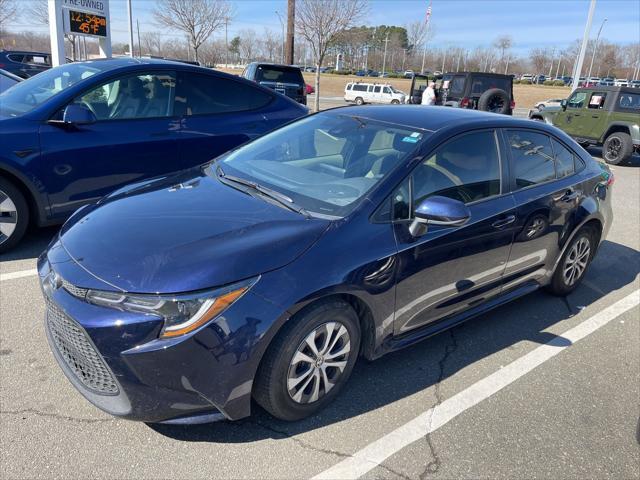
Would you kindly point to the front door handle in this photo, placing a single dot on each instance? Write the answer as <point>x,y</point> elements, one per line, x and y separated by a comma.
<point>503,222</point>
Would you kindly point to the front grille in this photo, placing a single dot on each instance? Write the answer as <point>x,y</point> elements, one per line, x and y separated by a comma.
<point>78,352</point>
<point>73,290</point>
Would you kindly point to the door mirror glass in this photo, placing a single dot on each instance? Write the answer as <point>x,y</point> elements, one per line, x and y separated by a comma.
<point>438,210</point>
<point>78,115</point>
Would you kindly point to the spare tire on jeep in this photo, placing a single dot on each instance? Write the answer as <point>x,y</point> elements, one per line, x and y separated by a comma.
<point>495,100</point>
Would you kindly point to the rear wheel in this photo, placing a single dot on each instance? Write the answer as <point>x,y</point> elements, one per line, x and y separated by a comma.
<point>359,101</point>
<point>395,102</point>
<point>495,100</point>
<point>14,215</point>
<point>309,362</point>
<point>574,262</point>
<point>617,148</point>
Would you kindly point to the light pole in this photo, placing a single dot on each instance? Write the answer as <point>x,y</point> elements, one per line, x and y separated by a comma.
<point>281,23</point>
<point>595,49</point>
<point>384,58</point>
<point>131,54</point>
<point>578,68</point>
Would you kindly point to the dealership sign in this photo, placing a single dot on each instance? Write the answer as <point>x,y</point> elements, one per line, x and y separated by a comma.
<point>85,17</point>
<point>88,18</point>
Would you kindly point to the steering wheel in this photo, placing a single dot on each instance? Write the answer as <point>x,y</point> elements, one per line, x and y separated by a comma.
<point>89,107</point>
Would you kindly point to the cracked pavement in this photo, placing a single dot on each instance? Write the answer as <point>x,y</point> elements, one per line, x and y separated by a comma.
<point>575,416</point>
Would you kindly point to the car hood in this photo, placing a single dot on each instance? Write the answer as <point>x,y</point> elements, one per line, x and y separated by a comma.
<point>184,233</point>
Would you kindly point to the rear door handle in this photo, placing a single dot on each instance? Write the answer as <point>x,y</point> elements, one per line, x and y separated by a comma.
<point>567,196</point>
<point>503,222</point>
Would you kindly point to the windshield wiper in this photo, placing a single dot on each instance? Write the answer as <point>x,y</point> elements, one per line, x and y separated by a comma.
<point>281,198</point>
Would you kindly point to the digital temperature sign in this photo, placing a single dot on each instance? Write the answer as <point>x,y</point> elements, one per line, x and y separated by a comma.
<point>84,23</point>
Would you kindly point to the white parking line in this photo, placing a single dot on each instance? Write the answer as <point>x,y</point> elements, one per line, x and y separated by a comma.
<point>20,274</point>
<point>378,451</point>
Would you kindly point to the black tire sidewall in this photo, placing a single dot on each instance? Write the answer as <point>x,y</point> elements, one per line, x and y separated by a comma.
<point>280,404</point>
<point>558,286</point>
<point>22,210</point>
<point>625,152</point>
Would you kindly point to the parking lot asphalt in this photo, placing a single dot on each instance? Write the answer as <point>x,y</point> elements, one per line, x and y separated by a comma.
<point>542,388</point>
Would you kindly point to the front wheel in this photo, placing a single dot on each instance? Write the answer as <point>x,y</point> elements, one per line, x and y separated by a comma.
<point>14,215</point>
<point>395,102</point>
<point>359,101</point>
<point>309,362</point>
<point>574,262</point>
<point>617,148</point>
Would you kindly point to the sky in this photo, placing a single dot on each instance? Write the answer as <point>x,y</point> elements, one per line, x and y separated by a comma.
<point>463,23</point>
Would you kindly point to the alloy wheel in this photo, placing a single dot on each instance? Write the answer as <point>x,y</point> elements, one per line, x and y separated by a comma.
<point>614,147</point>
<point>318,362</point>
<point>8,217</point>
<point>537,226</point>
<point>576,261</point>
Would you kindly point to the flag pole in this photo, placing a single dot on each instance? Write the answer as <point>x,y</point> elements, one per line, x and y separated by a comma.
<point>426,36</point>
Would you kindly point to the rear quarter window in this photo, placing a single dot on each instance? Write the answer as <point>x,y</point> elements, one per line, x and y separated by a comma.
<point>628,102</point>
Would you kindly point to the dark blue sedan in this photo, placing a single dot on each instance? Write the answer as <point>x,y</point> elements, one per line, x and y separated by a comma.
<point>72,134</point>
<point>352,232</point>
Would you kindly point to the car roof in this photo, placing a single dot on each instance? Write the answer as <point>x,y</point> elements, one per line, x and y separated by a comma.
<point>279,65</point>
<point>432,118</point>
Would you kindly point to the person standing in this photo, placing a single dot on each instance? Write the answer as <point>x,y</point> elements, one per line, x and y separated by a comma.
<point>429,94</point>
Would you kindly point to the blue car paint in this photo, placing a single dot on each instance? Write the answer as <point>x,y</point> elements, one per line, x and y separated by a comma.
<point>62,169</point>
<point>395,282</point>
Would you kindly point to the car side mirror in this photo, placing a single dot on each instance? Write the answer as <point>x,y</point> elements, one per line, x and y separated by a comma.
<point>563,104</point>
<point>438,210</point>
<point>75,114</point>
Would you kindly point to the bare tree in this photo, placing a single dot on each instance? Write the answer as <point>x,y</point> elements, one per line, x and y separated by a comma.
<point>198,19</point>
<point>417,34</point>
<point>8,10</point>
<point>318,21</point>
<point>503,43</point>
<point>39,10</point>
<point>270,44</point>
<point>248,44</point>
<point>152,43</point>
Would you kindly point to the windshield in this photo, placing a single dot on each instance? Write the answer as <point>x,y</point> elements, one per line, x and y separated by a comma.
<point>325,163</point>
<point>30,94</point>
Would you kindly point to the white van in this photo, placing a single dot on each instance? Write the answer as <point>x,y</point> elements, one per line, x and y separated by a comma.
<point>361,93</point>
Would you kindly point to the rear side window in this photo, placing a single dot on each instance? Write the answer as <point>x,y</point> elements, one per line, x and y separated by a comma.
<point>565,161</point>
<point>376,89</point>
<point>359,88</point>
<point>198,94</point>
<point>596,102</point>
<point>532,158</point>
<point>15,57</point>
<point>279,75</point>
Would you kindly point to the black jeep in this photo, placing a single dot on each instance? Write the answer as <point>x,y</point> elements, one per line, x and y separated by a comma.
<point>490,92</point>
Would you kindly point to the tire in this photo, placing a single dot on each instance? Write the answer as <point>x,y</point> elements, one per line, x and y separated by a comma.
<point>359,101</point>
<point>495,100</point>
<point>617,148</point>
<point>395,102</point>
<point>575,253</point>
<point>278,372</point>
<point>537,119</point>
<point>14,215</point>
<point>540,107</point>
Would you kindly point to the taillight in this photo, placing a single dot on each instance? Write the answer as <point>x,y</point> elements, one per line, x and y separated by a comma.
<point>464,103</point>
<point>1,65</point>
<point>611,179</point>
<point>513,104</point>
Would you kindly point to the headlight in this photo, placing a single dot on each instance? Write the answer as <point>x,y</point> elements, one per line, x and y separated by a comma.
<point>181,313</point>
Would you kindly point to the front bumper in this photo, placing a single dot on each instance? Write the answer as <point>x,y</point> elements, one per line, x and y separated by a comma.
<point>116,361</point>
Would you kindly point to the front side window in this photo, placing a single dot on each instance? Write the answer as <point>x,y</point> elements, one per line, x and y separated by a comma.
<point>26,96</point>
<point>532,156</point>
<point>577,100</point>
<point>135,96</point>
<point>199,94</point>
<point>466,169</point>
<point>387,90</point>
<point>325,163</point>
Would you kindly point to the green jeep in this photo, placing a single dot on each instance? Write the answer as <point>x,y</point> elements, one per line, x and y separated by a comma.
<point>607,116</point>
